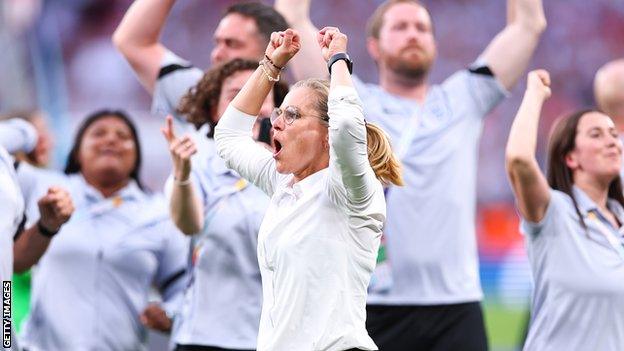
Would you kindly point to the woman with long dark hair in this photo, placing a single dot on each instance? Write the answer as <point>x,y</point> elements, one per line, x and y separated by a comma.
<point>93,282</point>
<point>573,222</point>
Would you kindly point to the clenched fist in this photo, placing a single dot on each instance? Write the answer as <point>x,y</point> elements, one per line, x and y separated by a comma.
<point>55,209</point>
<point>283,46</point>
<point>331,42</point>
<point>539,82</point>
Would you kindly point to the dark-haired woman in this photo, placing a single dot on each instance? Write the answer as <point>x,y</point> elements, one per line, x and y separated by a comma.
<point>572,219</point>
<point>93,282</point>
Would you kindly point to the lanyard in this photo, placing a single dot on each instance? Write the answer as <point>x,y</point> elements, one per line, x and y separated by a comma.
<point>406,139</point>
<point>611,238</point>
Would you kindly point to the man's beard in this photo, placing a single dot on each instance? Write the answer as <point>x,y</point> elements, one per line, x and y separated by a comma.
<point>412,69</point>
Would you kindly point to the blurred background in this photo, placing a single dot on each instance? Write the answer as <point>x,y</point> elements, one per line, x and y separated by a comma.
<point>57,56</point>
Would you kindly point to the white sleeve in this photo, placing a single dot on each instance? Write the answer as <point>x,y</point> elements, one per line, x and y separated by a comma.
<point>17,135</point>
<point>348,159</point>
<point>241,153</point>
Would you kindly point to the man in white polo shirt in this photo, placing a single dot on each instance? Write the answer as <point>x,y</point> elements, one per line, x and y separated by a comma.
<point>428,297</point>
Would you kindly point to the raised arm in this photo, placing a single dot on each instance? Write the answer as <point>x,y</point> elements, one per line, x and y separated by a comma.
<point>138,38</point>
<point>347,128</point>
<point>332,42</point>
<point>527,180</point>
<point>509,53</point>
<point>309,62</point>
<point>17,135</point>
<point>56,208</point>
<point>184,205</point>
<point>233,133</point>
<point>281,48</point>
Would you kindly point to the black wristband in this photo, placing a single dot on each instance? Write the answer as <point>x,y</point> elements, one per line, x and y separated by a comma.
<point>44,231</point>
<point>340,56</point>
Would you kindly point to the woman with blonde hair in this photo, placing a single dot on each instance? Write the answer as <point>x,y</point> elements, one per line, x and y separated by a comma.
<point>318,242</point>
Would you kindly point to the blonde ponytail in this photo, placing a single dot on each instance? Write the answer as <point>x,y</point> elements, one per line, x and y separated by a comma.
<point>385,164</point>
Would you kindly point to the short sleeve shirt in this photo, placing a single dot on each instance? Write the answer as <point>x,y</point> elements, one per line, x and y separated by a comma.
<point>175,78</point>
<point>224,255</point>
<point>93,281</point>
<point>578,299</point>
<point>430,227</point>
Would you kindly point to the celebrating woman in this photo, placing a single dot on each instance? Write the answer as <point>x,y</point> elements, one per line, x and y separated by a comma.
<point>93,282</point>
<point>572,219</point>
<point>318,242</point>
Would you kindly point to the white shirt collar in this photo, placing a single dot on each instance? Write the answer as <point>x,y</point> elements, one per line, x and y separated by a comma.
<point>307,184</point>
<point>587,205</point>
<point>130,192</point>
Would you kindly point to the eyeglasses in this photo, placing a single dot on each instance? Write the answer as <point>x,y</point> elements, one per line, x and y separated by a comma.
<point>290,113</point>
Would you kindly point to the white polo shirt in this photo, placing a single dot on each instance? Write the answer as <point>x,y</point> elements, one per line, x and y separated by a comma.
<point>93,281</point>
<point>223,256</point>
<point>175,78</point>
<point>318,243</point>
<point>578,299</point>
<point>430,234</point>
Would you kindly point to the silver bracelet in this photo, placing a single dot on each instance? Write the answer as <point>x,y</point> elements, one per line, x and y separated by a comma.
<point>266,73</point>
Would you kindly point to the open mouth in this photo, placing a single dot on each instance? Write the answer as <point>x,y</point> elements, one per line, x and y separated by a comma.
<point>278,148</point>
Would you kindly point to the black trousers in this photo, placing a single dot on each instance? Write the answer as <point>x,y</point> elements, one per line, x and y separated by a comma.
<point>427,328</point>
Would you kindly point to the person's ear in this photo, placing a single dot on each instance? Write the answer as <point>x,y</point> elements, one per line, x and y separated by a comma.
<point>372,44</point>
<point>571,160</point>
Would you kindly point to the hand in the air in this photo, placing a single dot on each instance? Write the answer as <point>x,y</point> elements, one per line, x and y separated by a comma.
<point>181,150</point>
<point>538,81</point>
<point>331,42</point>
<point>283,46</point>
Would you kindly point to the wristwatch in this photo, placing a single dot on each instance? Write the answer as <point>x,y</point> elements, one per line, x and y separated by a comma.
<point>340,56</point>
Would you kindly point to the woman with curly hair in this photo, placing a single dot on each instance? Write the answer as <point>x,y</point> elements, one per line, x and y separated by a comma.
<point>223,213</point>
<point>205,102</point>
